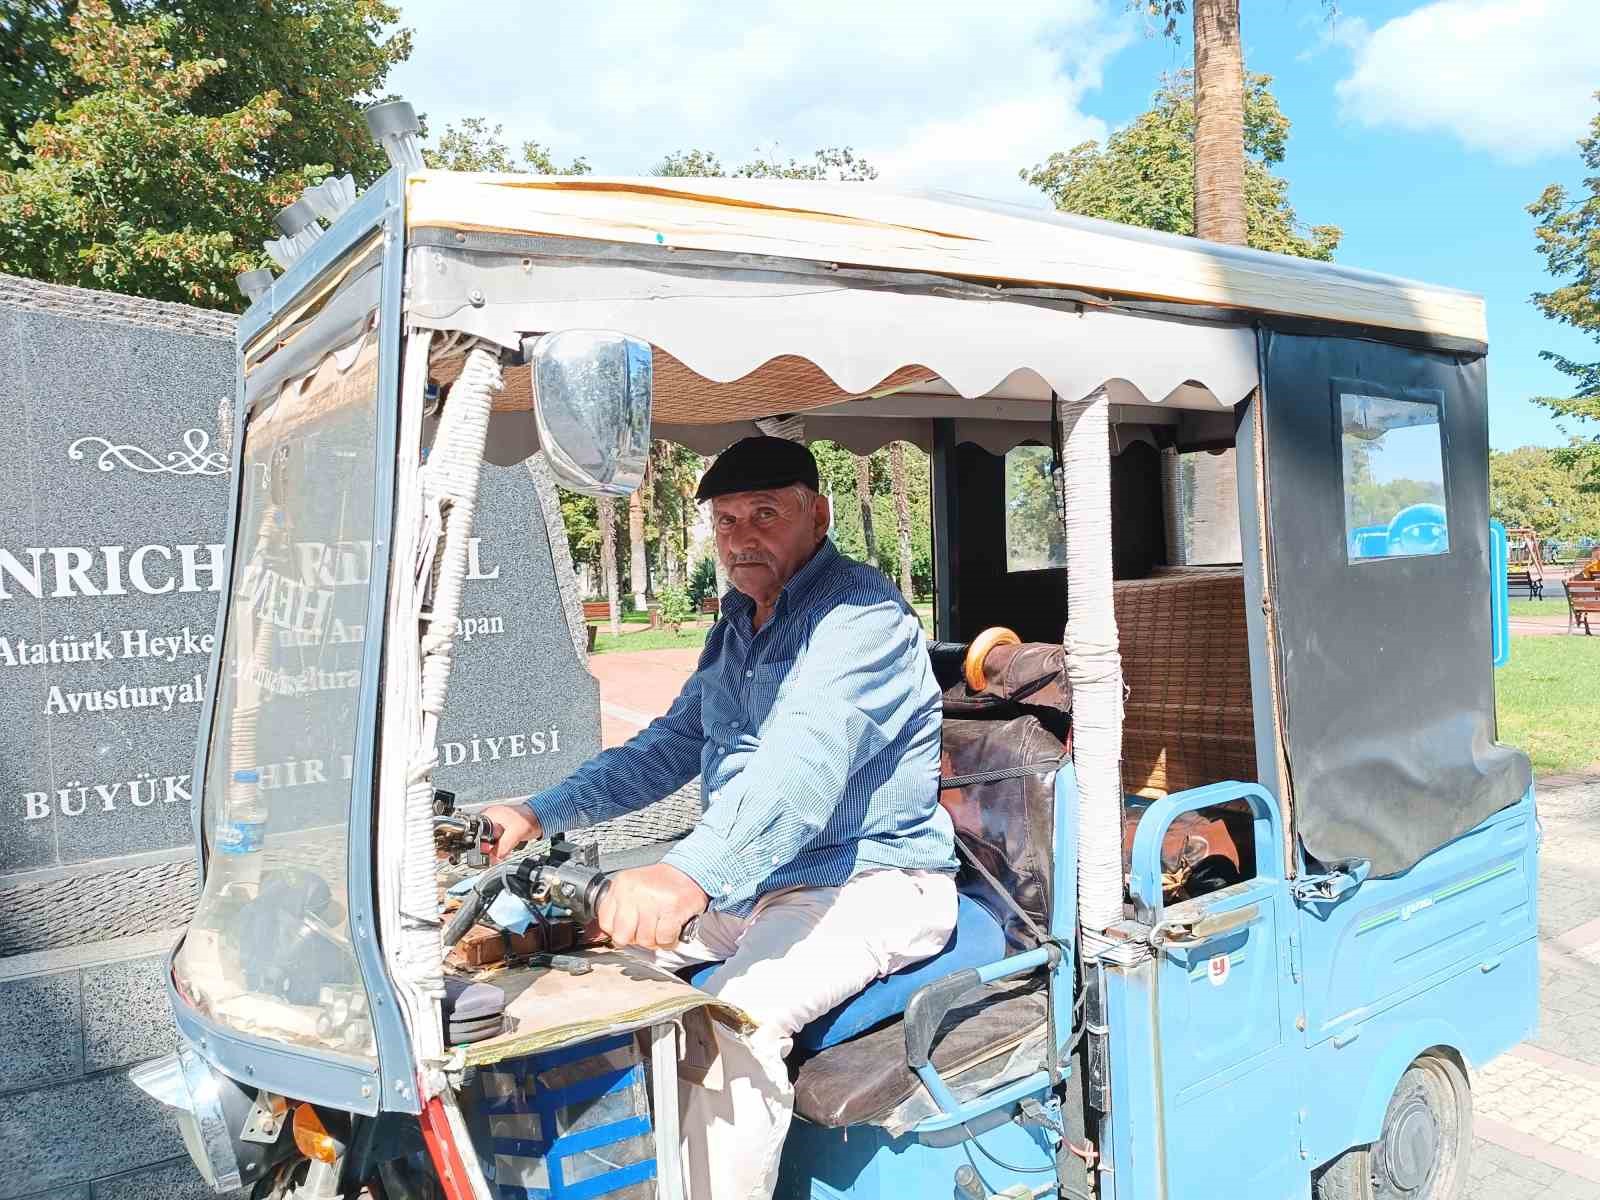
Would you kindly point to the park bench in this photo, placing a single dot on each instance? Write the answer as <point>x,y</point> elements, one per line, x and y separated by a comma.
<point>1523,577</point>
<point>600,610</point>
<point>1583,603</point>
<point>710,605</point>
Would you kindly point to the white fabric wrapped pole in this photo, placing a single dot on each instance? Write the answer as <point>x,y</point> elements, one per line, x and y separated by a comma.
<point>452,476</point>
<point>1094,662</point>
<point>448,502</point>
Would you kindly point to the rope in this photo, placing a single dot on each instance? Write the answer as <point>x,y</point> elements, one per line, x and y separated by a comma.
<point>1046,767</point>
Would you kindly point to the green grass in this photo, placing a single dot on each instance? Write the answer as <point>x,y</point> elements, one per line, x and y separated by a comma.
<point>1548,697</point>
<point>1554,604</point>
<point>690,638</point>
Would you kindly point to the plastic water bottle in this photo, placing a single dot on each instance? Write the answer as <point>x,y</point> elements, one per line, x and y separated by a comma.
<point>241,837</point>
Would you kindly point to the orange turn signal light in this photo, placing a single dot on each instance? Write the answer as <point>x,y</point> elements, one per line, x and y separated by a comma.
<point>311,1136</point>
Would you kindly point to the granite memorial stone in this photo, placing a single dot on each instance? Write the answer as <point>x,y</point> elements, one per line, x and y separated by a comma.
<point>114,493</point>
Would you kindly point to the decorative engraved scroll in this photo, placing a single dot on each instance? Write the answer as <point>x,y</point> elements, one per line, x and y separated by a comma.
<point>195,459</point>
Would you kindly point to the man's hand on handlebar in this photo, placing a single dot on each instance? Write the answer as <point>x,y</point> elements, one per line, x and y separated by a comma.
<point>649,906</point>
<point>517,827</point>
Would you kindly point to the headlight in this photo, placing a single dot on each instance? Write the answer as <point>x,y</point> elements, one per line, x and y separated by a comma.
<point>212,1110</point>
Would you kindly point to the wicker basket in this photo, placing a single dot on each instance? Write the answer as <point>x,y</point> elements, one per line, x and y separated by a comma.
<point>1186,666</point>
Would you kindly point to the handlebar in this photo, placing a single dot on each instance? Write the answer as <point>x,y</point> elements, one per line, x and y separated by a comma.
<point>575,886</point>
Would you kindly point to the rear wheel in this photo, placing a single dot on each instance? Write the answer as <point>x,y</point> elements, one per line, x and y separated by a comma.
<point>1421,1154</point>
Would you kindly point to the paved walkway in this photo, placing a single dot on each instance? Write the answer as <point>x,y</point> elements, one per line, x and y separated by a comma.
<point>637,686</point>
<point>1537,1109</point>
<point>1544,626</point>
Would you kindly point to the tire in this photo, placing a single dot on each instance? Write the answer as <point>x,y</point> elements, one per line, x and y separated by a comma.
<point>1422,1152</point>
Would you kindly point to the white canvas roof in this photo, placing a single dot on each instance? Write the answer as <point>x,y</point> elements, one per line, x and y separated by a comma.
<point>867,226</point>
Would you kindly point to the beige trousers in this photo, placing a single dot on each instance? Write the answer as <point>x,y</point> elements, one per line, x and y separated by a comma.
<point>798,954</point>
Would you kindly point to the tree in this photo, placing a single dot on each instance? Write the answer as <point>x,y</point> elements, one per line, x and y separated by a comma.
<point>1220,182</point>
<point>638,571</point>
<point>1568,231</point>
<point>607,506</point>
<point>703,581</point>
<point>864,502</point>
<point>1144,174</point>
<point>839,164</point>
<point>324,59</point>
<point>126,188</point>
<point>836,471</point>
<point>902,515</point>
<point>471,145</point>
<point>1035,537</point>
<point>1369,501</point>
<point>1219,176</point>
<point>675,607</point>
<point>1530,487</point>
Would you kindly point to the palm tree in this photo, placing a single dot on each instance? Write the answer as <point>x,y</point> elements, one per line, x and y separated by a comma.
<point>1219,205</point>
<point>1219,123</point>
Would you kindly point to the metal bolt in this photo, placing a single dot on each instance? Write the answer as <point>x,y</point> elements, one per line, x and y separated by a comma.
<point>366,1090</point>
<point>476,298</point>
<point>461,237</point>
<point>1300,1022</point>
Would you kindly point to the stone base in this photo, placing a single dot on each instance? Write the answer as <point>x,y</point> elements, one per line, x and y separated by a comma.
<point>73,1125</point>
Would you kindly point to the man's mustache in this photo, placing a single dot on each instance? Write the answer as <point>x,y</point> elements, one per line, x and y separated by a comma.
<point>750,559</point>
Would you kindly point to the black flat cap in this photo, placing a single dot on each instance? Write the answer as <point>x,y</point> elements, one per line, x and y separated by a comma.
<point>758,464</point>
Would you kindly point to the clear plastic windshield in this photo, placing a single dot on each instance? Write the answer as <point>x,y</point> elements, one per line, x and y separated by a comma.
<point>269,950</point>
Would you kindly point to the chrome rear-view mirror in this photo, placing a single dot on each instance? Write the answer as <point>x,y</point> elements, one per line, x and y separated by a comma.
<point>591,405</point>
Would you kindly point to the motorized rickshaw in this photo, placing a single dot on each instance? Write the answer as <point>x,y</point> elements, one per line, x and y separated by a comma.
<point>1249,884</point>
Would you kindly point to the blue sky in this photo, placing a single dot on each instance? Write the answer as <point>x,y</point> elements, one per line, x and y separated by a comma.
<point>1422,129</point>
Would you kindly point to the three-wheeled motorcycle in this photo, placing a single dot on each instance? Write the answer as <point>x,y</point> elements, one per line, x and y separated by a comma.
<point>1248,884</point>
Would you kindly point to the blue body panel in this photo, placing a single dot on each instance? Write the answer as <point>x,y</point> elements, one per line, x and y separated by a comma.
<point>864,1161</point>
<point>1241,1079</point>
<point>1443,955</point>
<point>1248,1077</point>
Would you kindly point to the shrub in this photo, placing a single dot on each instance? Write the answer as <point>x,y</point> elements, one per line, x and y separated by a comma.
<point>675,607</point>
<point>702,582</point>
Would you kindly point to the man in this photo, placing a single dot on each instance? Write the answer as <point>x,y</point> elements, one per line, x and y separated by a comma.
<point>823,860</point>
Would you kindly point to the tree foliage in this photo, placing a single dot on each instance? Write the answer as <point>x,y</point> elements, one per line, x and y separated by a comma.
<point>1530,487</point>
<point>1035,537</point>
<point>1164,15</point>
<point>1144,173</point>
<point>836,471</point>
<point>321,57</point>
<point>147,157</point>
<point>675,607</point>
<point>838,164</point>
<point>472,145</point>
<point>702,581</point>
<point>1371,501</point>
<point>1567,227</point>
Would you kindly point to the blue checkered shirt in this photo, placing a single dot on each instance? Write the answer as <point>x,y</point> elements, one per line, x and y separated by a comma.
<point>816,740</point>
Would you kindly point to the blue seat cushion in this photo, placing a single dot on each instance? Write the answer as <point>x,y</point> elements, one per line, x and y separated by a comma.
<point>978,939</point>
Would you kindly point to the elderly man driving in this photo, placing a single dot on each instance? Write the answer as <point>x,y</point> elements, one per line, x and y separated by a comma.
<point>823,860</point>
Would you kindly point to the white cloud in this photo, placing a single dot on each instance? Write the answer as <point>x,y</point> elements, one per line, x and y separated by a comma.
<point>1515,78</point>
<point>1338,33</point>
<point>933,94</point>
